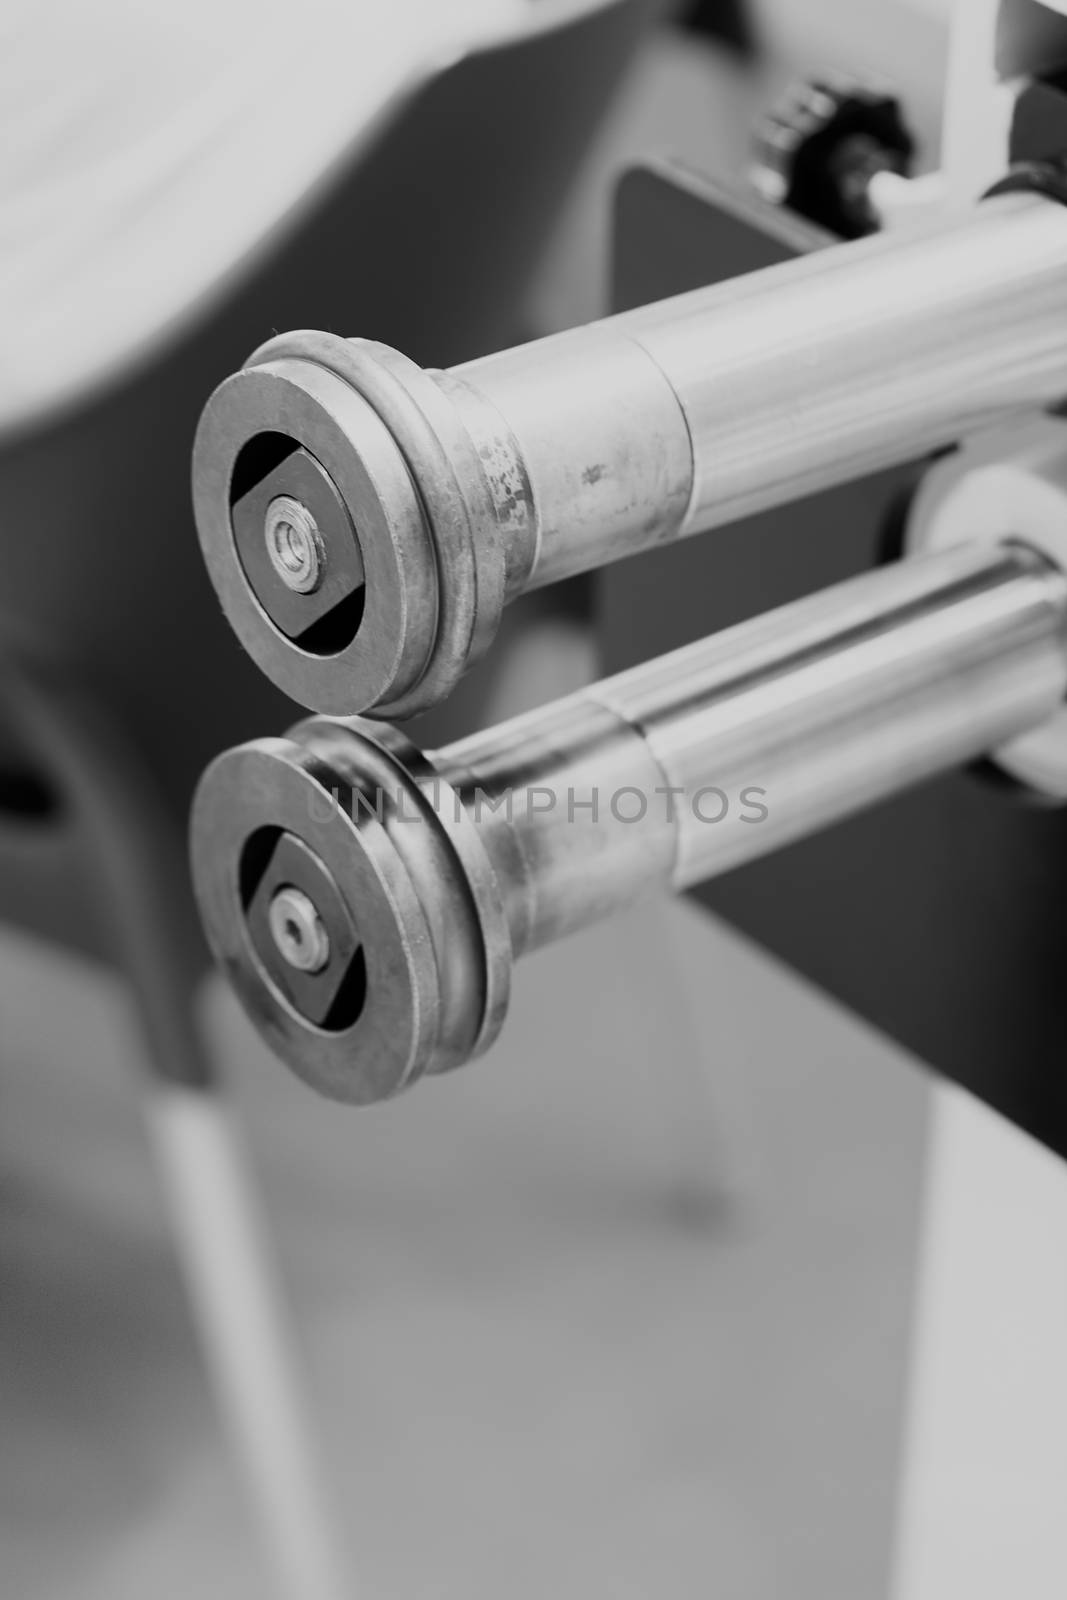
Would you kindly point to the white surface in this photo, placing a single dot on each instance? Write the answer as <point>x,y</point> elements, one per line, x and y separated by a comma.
<point>978,102</point>
<point>542,1370</point>
<point>148,146</point>
<point>900,43</point>
<point>984,1508</point>
<point>978,105</point>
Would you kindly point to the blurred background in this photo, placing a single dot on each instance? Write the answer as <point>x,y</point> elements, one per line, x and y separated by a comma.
<point>622,1310</point>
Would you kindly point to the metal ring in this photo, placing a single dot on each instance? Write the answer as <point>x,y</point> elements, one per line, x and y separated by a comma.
<point>451,482</point>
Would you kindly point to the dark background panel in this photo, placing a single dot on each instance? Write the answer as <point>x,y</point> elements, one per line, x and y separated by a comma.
<point>936,916</point>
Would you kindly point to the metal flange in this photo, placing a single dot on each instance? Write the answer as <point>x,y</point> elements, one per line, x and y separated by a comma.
<point>405,512</point>
<point>417,955</point>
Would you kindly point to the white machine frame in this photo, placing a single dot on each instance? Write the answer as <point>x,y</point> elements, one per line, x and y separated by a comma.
<point>981,1509</point>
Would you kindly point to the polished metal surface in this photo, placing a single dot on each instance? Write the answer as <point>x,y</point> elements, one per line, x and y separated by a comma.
<point>845,361</point>
<point>465,488</point>
<point>455,862</point>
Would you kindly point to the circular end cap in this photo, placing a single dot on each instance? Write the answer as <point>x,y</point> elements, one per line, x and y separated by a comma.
<point>385,578</point>
<point>820,149</point>
<point>346,895</point>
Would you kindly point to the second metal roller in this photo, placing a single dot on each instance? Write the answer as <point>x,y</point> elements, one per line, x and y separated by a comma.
<point>364,520</point>
<point>368,900</point>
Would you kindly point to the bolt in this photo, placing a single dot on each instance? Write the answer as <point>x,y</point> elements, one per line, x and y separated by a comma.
<point>298,930</point>
<point>294,544</point>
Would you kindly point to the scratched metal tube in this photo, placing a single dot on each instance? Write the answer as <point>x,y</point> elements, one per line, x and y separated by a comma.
<point>439,496</point>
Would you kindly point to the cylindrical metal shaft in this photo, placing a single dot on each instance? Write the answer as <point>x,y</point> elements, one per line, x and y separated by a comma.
<point>435,497</point>
<point>762,733</point>
<point>787,381</point>
<point>440,869</point>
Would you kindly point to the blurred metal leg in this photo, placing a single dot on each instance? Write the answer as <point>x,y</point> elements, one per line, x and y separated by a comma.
<point>243,1330</point>
<point>135,860</point>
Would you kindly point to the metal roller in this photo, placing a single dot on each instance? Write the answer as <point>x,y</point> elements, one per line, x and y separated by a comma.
<point>368,900</point>
<point>364,520</point>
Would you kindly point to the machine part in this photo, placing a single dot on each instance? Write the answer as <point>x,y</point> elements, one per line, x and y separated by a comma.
<point>922,901</point>
<point>298,930</point>
<point>461,489</point>
<point>303,933</point>
<point>457,861</point>
<point>294,544</point>
<point>822,148</point>
<point>284,510</point>
<point>996,485</point>
<point>247,1336</point>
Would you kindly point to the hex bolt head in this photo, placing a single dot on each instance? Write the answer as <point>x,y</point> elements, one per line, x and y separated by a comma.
<point>294,544</point>
<point>298,930</point>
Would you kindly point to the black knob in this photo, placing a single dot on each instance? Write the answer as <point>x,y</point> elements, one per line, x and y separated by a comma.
<point>819,151</point>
